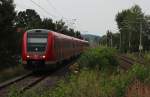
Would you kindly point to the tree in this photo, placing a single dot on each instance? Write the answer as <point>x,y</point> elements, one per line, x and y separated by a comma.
<point>28,19</point>
<point>60,26</point>
<point>103,40</point>
<point>7,31</point>
<point>109,39</point>
<point>48,24</point>
<point>116,40</point>
<point>78,35</point>
<point>71,32</point>
<point>129,22</point>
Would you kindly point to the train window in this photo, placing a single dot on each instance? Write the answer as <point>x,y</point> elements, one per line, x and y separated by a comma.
<point>36,47</point>
<point>55,45</point>
<point>36,42</point>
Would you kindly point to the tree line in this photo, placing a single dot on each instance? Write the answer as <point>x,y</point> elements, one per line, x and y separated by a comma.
<point>13,24</point>
<point>30,19</point>
<point>134,31</point>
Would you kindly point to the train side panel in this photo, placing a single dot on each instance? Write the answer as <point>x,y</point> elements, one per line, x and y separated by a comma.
<point>49,55</point>
<point>24,48</point>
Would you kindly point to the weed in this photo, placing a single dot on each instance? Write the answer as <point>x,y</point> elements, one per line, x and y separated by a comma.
<point>11,73</point>
<point>99,77</point>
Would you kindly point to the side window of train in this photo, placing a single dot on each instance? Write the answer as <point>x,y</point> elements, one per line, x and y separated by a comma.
<point>55,43</point>
<point>68,44</point>
<point>73,45</point>
<point>64,43</point>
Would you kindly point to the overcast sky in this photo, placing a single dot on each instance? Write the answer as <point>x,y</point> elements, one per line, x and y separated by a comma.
<point>92,16</point>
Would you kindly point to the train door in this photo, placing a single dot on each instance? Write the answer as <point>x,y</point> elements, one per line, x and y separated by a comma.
<point>57,48</point>
<point>61,49</point>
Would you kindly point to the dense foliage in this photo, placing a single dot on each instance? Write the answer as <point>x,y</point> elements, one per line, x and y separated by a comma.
<point>92,81</point>
<point>30,19</point>
<point>7,31</point>
<point>132,24</point>
<point>98,57</point>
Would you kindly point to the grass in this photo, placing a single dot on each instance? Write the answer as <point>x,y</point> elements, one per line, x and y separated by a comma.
<point>92,83</point>
<point>10,73</point>
<point>99,76</point>
<point>145,58</point>
<point>133,56</point>
<point>95,83</point>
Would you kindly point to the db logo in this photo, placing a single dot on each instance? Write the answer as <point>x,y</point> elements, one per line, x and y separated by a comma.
<point>35,56</point>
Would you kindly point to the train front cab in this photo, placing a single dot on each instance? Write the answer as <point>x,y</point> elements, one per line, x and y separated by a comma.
<point>36,49</point>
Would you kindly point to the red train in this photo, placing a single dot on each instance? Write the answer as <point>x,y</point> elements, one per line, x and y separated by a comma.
<point>42,48</point>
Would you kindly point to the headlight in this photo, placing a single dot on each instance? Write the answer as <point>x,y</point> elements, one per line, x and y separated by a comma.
<point>28,56</point>
<point>43,57</point>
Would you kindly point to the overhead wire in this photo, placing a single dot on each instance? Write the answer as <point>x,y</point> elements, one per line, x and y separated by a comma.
<point>23,6</point>
<point>43,9</point>
<point>50,3</point>
<point>69,22</point>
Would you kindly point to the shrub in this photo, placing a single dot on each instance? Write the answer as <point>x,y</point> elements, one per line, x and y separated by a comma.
<point>98,57</point>
<point>86,84</point>
<point>93,82</point>
<point>12,72</point>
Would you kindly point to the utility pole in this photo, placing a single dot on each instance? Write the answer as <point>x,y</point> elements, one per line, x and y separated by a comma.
<point>129,41</point>
<point>129,33</point>
<point>120,40</point>
<point>140,45</point>
<point>111,41</point>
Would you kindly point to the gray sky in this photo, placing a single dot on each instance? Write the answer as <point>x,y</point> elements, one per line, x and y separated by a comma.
<point>92,16</point>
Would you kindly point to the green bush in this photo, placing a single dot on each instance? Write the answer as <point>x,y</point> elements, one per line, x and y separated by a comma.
<point>139,71</point>
<point>86,84</point>
<point>98,57</point>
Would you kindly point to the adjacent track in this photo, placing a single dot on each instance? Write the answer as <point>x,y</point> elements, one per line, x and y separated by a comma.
<point>126,62</point>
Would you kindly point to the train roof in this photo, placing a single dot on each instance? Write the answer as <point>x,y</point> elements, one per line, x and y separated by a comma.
<point>38,30</point>
<point>56,33</point>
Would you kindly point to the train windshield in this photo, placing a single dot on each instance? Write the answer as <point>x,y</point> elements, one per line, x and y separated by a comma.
<point>36,43</point>
<point>37,40</point>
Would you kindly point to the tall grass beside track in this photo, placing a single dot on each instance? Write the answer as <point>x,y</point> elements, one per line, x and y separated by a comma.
<point>99,76</point>
<point>11,72</point>
<point>145,57</point>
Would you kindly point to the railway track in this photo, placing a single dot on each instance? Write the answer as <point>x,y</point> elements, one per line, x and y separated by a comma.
<point>126,62</point>
<point>30,80</point>
<point>10,82</point>
<point>32,83</point>
<point>21,83</point>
